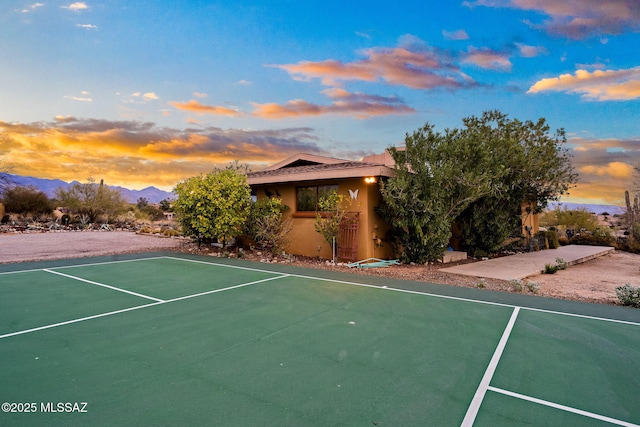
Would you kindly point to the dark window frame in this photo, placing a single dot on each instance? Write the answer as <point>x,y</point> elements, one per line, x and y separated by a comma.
<point>315,194</point>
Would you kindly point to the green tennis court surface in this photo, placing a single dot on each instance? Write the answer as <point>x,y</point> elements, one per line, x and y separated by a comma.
<point>166,339</point>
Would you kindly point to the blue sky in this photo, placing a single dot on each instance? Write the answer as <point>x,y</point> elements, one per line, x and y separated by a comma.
<point>143,93</point>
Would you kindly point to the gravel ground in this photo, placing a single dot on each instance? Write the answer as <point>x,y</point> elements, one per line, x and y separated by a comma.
<point>22,247</point>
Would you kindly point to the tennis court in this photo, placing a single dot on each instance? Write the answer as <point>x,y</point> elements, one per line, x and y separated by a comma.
<point>176,339</point>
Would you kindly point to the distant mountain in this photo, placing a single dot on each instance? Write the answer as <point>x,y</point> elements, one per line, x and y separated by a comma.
<point>49,186</point>
<point>597,209</point>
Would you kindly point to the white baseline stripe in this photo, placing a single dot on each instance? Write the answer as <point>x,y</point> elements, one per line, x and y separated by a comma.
<point>429,294</point>
<point>472,412</point>
<point>103,285</point>
<point>160,302</point>
<point>82,265</point>
<point>604,319</point>
<point>81,319</point>
<point>217,264</point>
<point>563,407</point>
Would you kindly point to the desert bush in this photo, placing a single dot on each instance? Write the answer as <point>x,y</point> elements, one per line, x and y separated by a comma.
<point>516,285</point>
<point>550,269</point>
<point>598,237</point>
<point>482,283</point>
<point>534,287</point>
<point>629,295</point>
<point>27,201</point>
<point>561,264</point>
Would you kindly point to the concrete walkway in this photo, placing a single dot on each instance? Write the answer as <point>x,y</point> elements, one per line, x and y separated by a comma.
<point>527,264</point>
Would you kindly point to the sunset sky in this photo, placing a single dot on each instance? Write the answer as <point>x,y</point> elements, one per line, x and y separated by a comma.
<point>142,93</point>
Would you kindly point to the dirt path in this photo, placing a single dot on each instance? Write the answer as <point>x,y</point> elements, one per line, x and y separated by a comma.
<point>21,247</point>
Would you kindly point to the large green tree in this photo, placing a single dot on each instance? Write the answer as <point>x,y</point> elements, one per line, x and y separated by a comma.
<point>479,175</point>
<point>91,199</point>
<point>214,206</point>
<point>532,167</point>
<point>436,177</point>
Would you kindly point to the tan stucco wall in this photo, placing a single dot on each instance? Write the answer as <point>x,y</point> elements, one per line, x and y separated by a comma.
<point>304,238</point>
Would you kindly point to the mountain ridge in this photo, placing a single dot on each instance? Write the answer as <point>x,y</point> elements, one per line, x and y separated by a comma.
<point>49,186</point>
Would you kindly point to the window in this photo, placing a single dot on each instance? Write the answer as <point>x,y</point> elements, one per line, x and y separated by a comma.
<point>307,197</point>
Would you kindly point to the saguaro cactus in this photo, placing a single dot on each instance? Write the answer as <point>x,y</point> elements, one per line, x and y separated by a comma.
<point>633,211</point>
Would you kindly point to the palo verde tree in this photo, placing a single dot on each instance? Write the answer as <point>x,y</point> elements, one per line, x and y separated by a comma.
<point>214,206</point>
<point>91,199</point>
<point>529,167</point>
<point>437,176</point>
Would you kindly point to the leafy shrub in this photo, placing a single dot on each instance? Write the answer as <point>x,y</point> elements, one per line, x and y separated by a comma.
<point>550,269</point>
<point>629,295</point>
<point>267,226</point>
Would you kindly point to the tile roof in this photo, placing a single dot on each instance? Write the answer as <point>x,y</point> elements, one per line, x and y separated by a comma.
<point>347,169</point>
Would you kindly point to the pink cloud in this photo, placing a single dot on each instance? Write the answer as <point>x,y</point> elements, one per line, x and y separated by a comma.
<point>344,103</point>
<point>413,66</point>
<point>488,59</point>
<point>577,19</point>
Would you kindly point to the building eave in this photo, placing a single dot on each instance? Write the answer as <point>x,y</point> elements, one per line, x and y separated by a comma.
<point>366,170</point>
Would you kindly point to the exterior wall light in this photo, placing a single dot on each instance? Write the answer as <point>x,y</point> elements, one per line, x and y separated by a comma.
<point>370,179</point>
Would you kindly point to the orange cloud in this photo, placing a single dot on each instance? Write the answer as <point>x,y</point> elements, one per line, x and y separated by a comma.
<point>137,154</point>
<point>577,19</point>
<point>599,85</point>
<point>605,168</point>
<point>196,107</point>
<point>413,66</point>
<point>345,103</point>
<point>614,169</point>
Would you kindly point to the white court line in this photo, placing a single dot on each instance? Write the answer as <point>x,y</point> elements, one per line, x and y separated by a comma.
<point>226,289</point>
<point>159,302</point>
<point>80,279</point>
<point>563,407</point>
<point>238,267</point>
<point>82,319</point>
<point>604,319</point>
<point>472,412</point>
<point>429,294</point>
<point>82,265</point>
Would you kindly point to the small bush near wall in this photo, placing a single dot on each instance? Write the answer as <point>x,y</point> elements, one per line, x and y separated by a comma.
<point>552,238</point>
